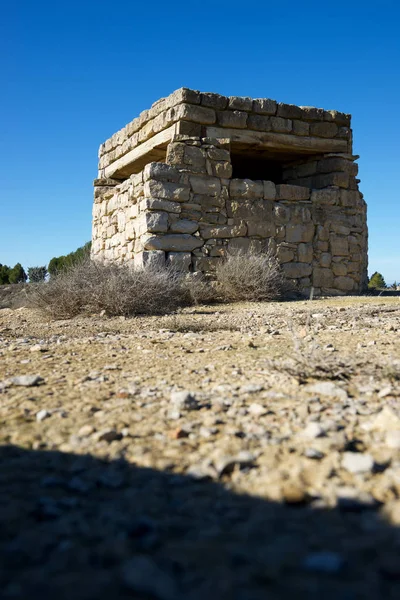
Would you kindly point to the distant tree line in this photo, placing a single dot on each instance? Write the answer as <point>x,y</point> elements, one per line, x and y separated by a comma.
<point>15,274</point>
<point>57,264</point>
<point>60,263</point>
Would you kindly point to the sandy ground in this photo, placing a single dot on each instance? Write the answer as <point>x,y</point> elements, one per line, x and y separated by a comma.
<point>230,451</point>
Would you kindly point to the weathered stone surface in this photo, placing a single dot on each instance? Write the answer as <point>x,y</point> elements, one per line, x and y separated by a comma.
<point>322,277</point>
<point>292,192</point>
<point>300,232</point>
<point>179,260</point>
<point>295,270</point>
<point>226,231</point>
<point>323,129</point>
<point>281,125</point>
<point>157,204</point>
<point>269,190</point>
<point>210,186</point>
<point>167,190</point>
<point>246,188</point>
<point>345,284</point>
<point>259,123</point>
<point>173,243</point>
<point>234,118</point>
<point>264,106</point>
<point>240,103</point>
<point>339,245</point>
<point>305,253</point>
<point>184,226</point>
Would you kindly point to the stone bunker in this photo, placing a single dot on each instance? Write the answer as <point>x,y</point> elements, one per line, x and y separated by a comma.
<point>200,174</point>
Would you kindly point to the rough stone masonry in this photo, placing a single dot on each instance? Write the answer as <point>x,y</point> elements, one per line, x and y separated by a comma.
<point>200,174</point>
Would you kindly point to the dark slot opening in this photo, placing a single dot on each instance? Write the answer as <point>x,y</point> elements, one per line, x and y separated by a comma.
<point>247,166</point>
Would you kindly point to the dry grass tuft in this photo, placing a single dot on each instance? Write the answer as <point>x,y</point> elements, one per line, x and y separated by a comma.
<point>251,276</point>
<point>90,287</point>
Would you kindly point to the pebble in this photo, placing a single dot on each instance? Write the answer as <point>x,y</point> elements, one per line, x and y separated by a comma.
<point>226,464</point>
<point>184,400</point>
<point>42,415</point>
<point>314,453</point>
<point>327,388</point>
<point>313,430</point>
<point>355,462</point>
<point>256,409</point>
<point>27,380</point>
<point>108,435</point>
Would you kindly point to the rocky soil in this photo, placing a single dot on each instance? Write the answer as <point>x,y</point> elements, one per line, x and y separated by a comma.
<point>232,452</point>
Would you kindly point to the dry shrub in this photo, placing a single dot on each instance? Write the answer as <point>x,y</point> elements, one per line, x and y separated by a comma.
<point>251,276</point>
<point>90,287</point>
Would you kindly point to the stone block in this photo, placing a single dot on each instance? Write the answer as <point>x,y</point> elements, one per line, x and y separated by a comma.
<point>331,179</point>
<point>325,259</point>
<point>222,169</point>
<point>281,213</point>
<point>328,197</point>
<point>215,101</point>
<point>195,158</point>
<point>305,253</point>
<point>269,190</point>
<point>183,95</point>
<point>232,118</point>
<point>259,123</point>
<point>285,254</point>
<point>264,106</point>
<point>339,269</point>
<point>322,277</point>
<point>184,226</point>
<point>280,125</point>
<point>260,228</point>
<point>210,186</point>
<point>344,284</point>
<point>294,270</point>
<point>224,231</point>
<point>157,204</point>
<point>301,232</point>
<point>173,243</point>
<point>154,259</point>
<point>240,103</point>
<point>179,261</point>
<point>292,192</point>
<point>218,154</point>
<point>198,114</point>
<point>339,246</point>
<point>301,128</point>
<point>289,111</point>
<point>166,190</point>
<point>323,129</point>
<point>246,188</point>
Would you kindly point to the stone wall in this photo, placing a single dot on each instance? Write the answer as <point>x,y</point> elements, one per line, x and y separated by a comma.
<point>188,211</point>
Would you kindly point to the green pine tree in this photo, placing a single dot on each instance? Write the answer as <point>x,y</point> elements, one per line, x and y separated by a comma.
<point>376,281</point>
<point>4,274</point>
<point>17,274</point>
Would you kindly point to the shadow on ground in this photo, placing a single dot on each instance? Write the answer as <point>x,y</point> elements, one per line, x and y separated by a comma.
<point>76,527</point>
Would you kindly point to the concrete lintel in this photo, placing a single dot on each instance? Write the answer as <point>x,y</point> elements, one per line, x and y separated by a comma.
<point>278,141</point>
<point>150,151</point>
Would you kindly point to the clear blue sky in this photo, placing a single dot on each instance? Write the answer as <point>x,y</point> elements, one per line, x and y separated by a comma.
<point>74,72</point>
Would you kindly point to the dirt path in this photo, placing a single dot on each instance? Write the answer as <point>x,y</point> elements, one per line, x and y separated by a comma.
<point>242,452</point>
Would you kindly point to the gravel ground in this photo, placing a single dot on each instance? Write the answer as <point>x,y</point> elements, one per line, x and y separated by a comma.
<point>237,452</point>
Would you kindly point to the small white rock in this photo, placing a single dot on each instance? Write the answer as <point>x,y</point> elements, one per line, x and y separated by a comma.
<point>355,462</point>
<point>313,430</point>
<point>42,415</point>
<point>27,380</point>
<point>184,400</point>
